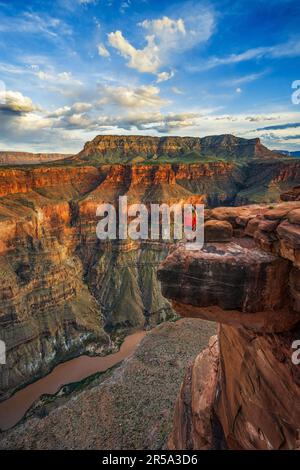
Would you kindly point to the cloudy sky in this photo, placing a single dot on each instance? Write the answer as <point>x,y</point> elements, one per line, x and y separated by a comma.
<point>72,69</point>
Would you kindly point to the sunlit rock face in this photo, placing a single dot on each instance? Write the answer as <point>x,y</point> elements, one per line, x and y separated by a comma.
<point>63,291</point>
<point>243,392</point>
<point>223,145</point>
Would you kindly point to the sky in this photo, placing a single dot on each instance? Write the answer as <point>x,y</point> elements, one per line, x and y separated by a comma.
<point>73,69</point>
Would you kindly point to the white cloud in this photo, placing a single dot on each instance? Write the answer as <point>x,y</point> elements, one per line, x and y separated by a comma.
<point>162,123</point>
<point>143,60</point>
<point>79,121</point>
<point>238,90</point>
<point>33,23</point>
<point>245,79</point>
<point>164,76</point>
<point>177,90</point>
<point>165,37</point>
<point>165,29</point>
<point>15,102</point>
<point>288,49</point>
<point>124,6</point>
<point>102,51</point>
<point>141,97</point>
<point>61,77</point>
<point>76,108</point>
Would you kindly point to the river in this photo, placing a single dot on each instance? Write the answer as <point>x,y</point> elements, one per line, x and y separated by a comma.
<point>14,408</point>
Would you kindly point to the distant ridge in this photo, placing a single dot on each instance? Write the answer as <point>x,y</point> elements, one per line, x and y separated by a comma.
<point>295,154</point>
<point>28,158</point>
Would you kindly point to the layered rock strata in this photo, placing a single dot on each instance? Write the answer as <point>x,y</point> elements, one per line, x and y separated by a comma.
<point>62,287</point>
<point>243,392</point>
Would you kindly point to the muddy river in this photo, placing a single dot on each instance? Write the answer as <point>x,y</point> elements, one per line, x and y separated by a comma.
<point>74,370</point>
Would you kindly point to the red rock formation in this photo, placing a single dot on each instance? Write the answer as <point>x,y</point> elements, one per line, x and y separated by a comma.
<point>129,145</point>
<point>61,284</point>
<point>253,395</point>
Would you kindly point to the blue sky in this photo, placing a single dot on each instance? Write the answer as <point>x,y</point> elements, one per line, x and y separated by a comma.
<point>72,69</point>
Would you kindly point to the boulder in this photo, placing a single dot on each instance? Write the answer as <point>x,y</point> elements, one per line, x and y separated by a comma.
<point>289,233</point>
<point>277,213</point>
<point>226,275</point>
<point>238,216</point>
<point>217,231</point>
<point>252,226</point>
<point>268,225</point>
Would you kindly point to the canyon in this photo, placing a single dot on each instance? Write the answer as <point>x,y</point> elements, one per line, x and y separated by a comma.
<point>65,293</point>
<point>127,407</point>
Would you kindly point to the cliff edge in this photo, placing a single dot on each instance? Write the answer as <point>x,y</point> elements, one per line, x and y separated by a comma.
<point>243,392</point>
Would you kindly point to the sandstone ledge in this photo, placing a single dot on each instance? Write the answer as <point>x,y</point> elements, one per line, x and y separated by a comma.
<point>251,286</point>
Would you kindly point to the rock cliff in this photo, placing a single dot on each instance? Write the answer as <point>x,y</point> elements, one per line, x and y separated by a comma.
<point>243,392</point>
<point>62,289</point>
<point>146,148</point>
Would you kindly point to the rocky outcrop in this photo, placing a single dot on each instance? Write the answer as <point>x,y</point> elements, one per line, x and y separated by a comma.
<point>247,395</point>
<point>131,146</point>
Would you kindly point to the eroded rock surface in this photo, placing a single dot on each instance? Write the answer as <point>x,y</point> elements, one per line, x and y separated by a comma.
<point>61,287</point>
<point>247,396</point>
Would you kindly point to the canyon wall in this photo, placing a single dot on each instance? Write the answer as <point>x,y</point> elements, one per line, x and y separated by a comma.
<point>63,290</point>
<point>243,392</point>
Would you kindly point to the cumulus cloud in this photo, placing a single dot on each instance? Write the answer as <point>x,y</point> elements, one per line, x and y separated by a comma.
<point>164,38</point>
<point>143,60</point>
<point>76,121</point>
<point>128,97</point>
<point>76,108</point>
<point>15,102</point>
